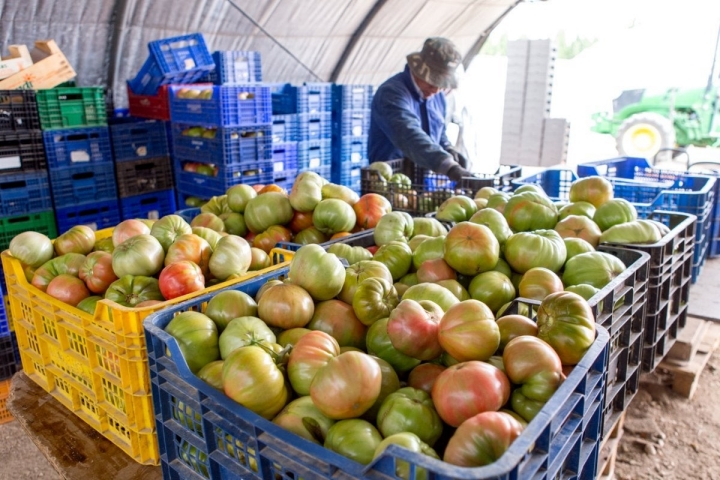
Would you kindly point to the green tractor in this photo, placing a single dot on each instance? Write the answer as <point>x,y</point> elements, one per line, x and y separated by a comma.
<point>644,124</point>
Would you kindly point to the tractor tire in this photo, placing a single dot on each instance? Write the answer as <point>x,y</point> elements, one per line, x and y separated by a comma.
<point>644,134</point>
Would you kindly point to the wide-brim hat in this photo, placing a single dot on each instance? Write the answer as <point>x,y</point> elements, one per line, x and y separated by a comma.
<point>439,63</point>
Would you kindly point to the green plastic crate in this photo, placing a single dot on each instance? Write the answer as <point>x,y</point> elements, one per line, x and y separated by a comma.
<point>71,107</point>
<point>40,222</point>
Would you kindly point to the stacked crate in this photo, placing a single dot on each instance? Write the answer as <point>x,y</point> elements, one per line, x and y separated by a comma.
<point>312,105</point>
<point>79,156</point>
<point>350,127</point>
<point>143,168</point>
<point>221,136</point>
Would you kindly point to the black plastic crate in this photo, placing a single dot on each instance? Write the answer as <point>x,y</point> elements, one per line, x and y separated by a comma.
<point>18,110</point>
<point>80,184</point>
<point>144,176</point>
<point>654,353</point>
<point>8,366</point>
<point>24,193</point>
<point>623,380</point>
<point>22,152</point>
<point>135,139</point>
<point>153,205</point>
<point>96,215</point>
<point>70,147</point>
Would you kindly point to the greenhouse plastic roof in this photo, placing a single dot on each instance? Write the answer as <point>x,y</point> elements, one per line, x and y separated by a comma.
<point>346,41</point>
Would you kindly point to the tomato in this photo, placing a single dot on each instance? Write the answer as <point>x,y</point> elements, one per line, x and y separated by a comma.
<point>579,227</point>
<point>320,273</point>
<point>88,304</point>
<point>468,331</point>
<point>533,364</point>
<point>32,248</point>
<point>585,291</point>
<point>189,247</point>
<point>197,338</point>
<point>347,385</point>
<point>339,192</point>
<point>359,272</point>
<point>234,224</point>
<point>410,410</point>
<point>635,232</point>
<point>208,220</point>
<point>390,383</point>
<point>303,418</point>
<point>266,210</point>
<point>482,439</point>
<point>332,216</point>
<point>397,256</point>
<point>379,344</point>
<point>370,208</point>
<point>456,209</point>
<point>251,378</point>
<point>300,221</point>
<point>217,205</point>
<point>524,407</point>
<point>374,299</point>
<point>566,322</point>
<point>264,288</point>
<point>416,240</point>
<point>337,319</point>
<point>238,196</point>
<point>104,245</point>
<point>168,228</point>
<point>259,260</point>
<point>471,248</point>
<point>231,256</point>
<point>130,291</point>
<point>230,304</point>
<point>211,374</point>
<point>268,239</point>
<point>180,278</point>
<point>515,325</point>
<point>355,439</point>
<point>429,227</point>
<point>493,289</point>
<point>286,306</point>
<point>140,255</point>
<point>79,239</point>
<point>485,192</point>
<point>353,255</point>
<point>70,264</point>
<point>576,246</point>
<point>468,388</point>
<point>455,288</point>
<point>97,272</point>
<point>424,375</point>
<point>498,201</point>
<point>291,337</point>
<point>410,442</point>
<point>614,212</point>
<point>394,226</point>
<point>243,331</point>
<point>384,170</point>
<point>272,188</point>
<point>530,211</point>
<point>429,291</point>
<point>577,208</point>
<point>429,249</point>
<point>433,271</point>
<point>309,235</point>
<point>495,221</point>
<point>128,229</point>
<point>306,192</point>
<point>413,329</point>
<point>595,268</point>
<point>210,236</point>
<point>596,190</point>
<point>537,283</point>
<point>541,248</point>
<point>67,289</point>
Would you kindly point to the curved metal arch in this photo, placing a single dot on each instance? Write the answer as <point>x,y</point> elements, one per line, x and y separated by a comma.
<point>475,49</point>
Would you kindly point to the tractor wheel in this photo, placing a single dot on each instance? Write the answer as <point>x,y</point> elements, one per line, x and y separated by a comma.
<point>644,134</point>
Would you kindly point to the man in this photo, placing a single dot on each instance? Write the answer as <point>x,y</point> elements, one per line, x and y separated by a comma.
<point>408,112</point>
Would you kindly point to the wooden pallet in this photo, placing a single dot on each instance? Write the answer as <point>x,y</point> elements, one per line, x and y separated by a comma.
<point>687,358</point>
<point>609,449</point>
<point>50,69</point>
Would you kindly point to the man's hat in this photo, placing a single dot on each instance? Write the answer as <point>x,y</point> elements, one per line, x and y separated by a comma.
<point>437,63</point>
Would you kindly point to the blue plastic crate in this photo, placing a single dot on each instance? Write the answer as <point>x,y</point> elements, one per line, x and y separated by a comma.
<point>222,146</point>
<point>236,66</point>
<point>181,59</point>
<point>188,213</point>
<point>562,441</point>
<point>348,155</point>
<point>351,96</point>
<point>80,184</point>
<point>4,326</point>
<point>286,183</point>
<point>206,186</point>
<point>285,128</point>
<point>70,147</point>
<point>153,205</point>
<point>24,193</point>
<point>228,105</point>
<point>314,154</point>
<point>136,139</point>
<point>96,215</point>
<point>308,98</point>
<point>351,123</point>
<point>314,126</point>
<point>285,160</point>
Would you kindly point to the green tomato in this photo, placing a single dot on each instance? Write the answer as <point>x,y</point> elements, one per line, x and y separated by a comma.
<point>197,337</point>
<point>410,410</point>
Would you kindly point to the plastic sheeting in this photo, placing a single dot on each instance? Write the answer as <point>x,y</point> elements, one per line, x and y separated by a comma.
<point>106,41</point>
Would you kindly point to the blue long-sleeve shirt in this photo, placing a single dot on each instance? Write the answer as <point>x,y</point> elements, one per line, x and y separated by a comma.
<point>396,129</point>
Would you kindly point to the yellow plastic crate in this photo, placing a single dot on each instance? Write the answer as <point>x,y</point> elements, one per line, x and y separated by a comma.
<point>95,365</point>
<point>5,415</point>
<point>8,314</point>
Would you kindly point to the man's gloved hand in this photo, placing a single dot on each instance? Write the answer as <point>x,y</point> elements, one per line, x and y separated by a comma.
<point>456,173</point>
<point>458,157</point>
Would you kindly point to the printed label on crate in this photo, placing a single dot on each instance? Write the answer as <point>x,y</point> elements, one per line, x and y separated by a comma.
<point>92,225</point>
<point>357,130</point>
<point>278,166</point>
<point>355,172</point>
<point>355,157</point>
<point>10,162</point>
<point>189,63</point>
<point>242,68</point>
<point>79,156</point>
<point>153,215</point>
<point>315,163</point>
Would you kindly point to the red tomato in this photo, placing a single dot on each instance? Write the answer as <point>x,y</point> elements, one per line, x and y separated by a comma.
<point>300,221</point>
<point>286,306</point>
<point>192,248</point>
<point>424,375</point>
<point>68,289</point>
<point>370,208</point>
<point>373,249</point>
<point>128,229</point>
<point>413,329</point>
<point>97,272</point>
<point>311,352</point>
<point>180,279</point>
<point>482,439</point>
<point>272,188</point>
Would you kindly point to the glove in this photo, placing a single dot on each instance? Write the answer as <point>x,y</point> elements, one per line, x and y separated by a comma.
<point>458,157</point>
<point>456,173</point>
